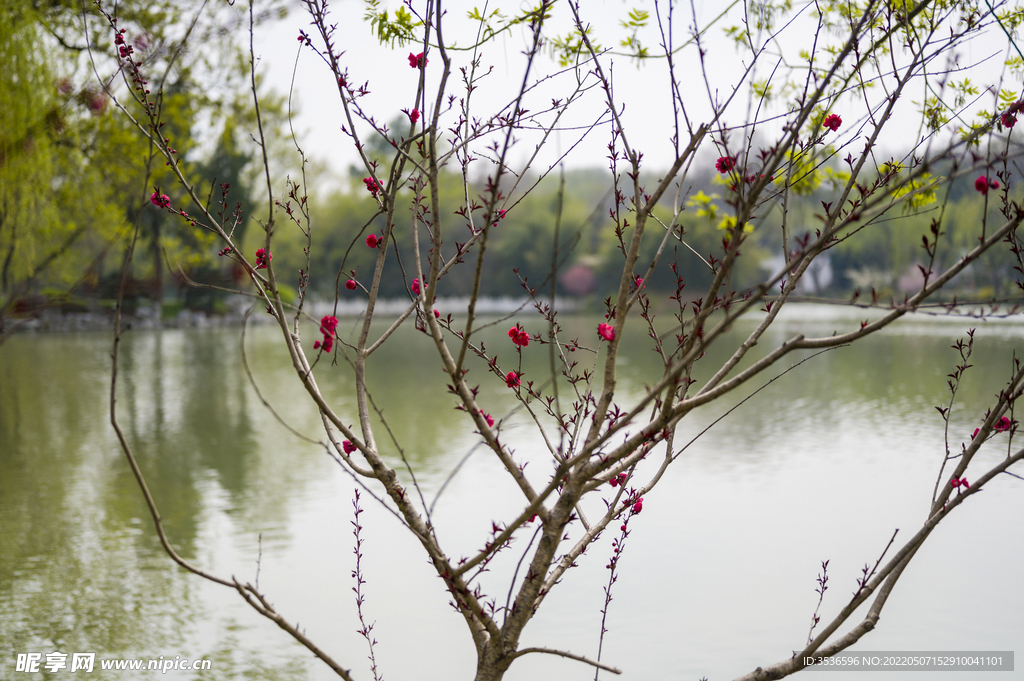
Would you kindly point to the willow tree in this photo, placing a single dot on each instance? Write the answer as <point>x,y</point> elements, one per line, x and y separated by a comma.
<point>72,174</point>
<point>52,201</point>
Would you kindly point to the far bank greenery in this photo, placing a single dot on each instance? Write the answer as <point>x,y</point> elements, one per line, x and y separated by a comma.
<point>521,247</point>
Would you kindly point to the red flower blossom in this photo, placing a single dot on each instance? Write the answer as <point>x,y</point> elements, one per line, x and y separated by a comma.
<point>437,315</point>
<point>351,284</point>
<point>1008,120</point>
<point>372,186</point>
<point>512,379</point>
<point>519,336</point>
<point>415,286</point>
<point>957,482</point>
<point>348,446</point>
<point>606,331</point>
<point>417,61</point>
<point>414,116</point>
<point>160,200</point>
<point>832,122</point>
<point>488,418</point>
<point>263,258</point>
<point>1003,424</point>
<point>639,505</point>
<point>327,326</point>
<point>619,479</point>
<point>981,184</point>
<point>725,163</point>
<point>372,241</point>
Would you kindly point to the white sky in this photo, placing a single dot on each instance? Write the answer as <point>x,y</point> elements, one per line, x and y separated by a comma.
<point>648,113</point>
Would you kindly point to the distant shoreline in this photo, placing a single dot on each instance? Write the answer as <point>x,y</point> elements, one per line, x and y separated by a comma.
<point>146,317</point>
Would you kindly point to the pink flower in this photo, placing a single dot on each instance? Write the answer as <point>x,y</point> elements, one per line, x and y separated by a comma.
<point>725,164</point>
<point>328,324</point>
<point>1008,120</point>
<point>415,286</point>
<point>414,116</point>
<point>488,418</point>
<point>606,331</point>
<point>263,258</point>
<point>348,446</point>
<point>437,315</point>
<point>619,479</point>
<point>351,284</point>
<point>160,200</point>
<point>512,379</point>
<point>956,482</point>
<point>983,184</point>
<point>639,282</point>
<point>417,61</point>
<point>1003,424</point>
<point>501,214</point>
<point>372,186</point>
<point>639,505</point>
<point>372,241</point>
<point>832,122</point>
<point>519,336</point>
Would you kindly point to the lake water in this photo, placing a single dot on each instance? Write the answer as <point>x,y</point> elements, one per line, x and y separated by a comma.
<point>718,575</point>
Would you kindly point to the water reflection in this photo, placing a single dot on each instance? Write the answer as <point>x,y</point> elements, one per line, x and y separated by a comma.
<point>719,576</point>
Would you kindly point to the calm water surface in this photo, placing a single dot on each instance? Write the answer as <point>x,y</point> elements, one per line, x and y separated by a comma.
<point>718,574</point>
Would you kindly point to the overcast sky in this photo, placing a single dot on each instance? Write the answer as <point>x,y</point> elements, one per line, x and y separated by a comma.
<point>643,92</point>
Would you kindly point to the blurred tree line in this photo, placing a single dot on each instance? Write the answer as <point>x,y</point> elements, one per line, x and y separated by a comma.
<point>885,258</point>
